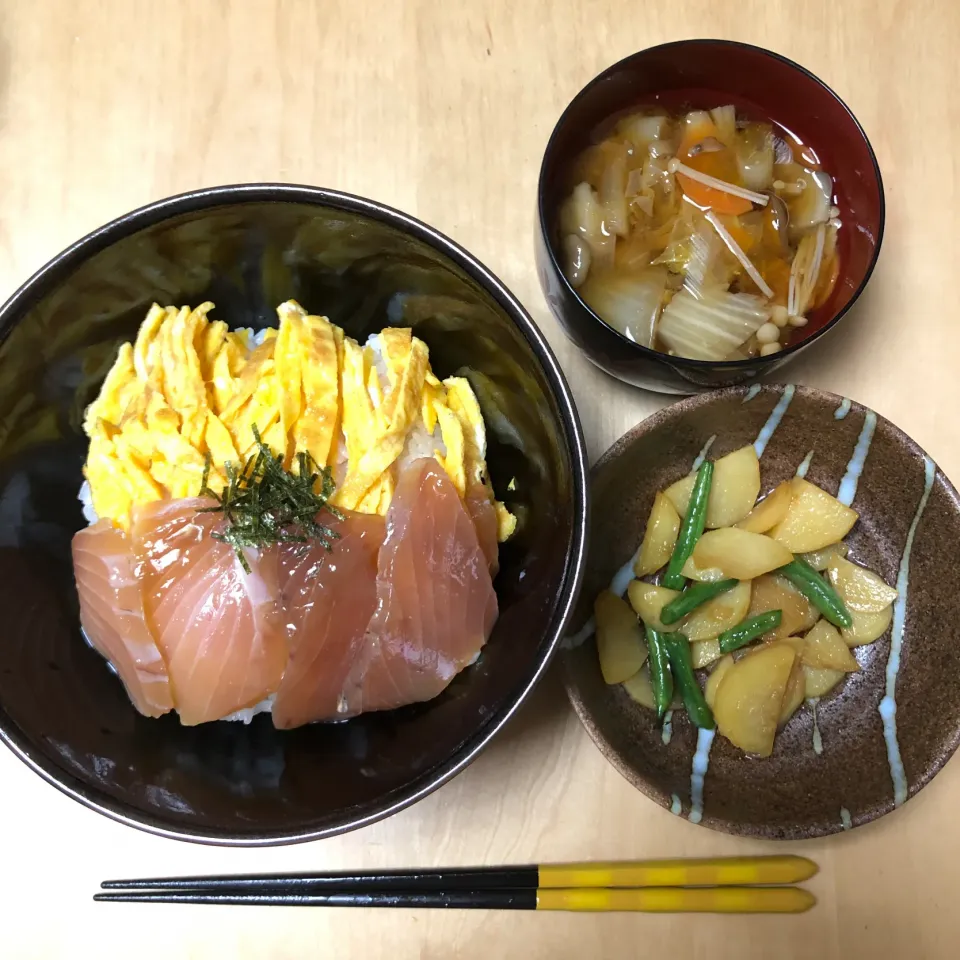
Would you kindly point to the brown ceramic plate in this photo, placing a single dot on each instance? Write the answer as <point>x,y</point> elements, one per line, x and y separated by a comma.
<point>908,530</point>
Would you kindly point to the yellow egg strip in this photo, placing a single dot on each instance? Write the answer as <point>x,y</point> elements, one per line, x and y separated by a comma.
<point>314,431</point>
<point>287,357</point>
<point>189,389</point>
<point>461,400</point>
<point>144,351</point>
<point>453,462</point>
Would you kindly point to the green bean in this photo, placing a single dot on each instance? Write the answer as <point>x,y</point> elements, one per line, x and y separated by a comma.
<point>693,597</point>
<point>740,635</point>
<point>817,591</point>
<point>678,649</point>
<point>661,679</point>
<point>692,527</point>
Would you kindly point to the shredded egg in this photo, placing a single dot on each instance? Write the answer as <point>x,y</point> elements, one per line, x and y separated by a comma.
<point>189,391</point>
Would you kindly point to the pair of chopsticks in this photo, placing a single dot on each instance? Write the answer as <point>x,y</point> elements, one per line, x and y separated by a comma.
<point>723,885</point>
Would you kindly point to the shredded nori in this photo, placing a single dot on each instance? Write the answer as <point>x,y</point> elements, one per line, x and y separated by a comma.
<point>264,503</point>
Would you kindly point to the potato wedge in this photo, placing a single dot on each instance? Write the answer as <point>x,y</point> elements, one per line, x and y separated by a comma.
<point>867,627</point>
<point>814,519</point>
<point>750,697</point>
<point>716,675</point>
<point>771,592</point>
<point>821,559</point>
<point>620,641</point>
<point>825,649</point>
<point>739,553</point>
<point>735,486</point>
<point>769,511</point>
<point>692,572</point>
<point>721,613</point>
<point>639,689</point>
<point>704,652</point>
<point>820,682</point>
<point>794,694</point>
<point>679,493</point>
<point>860,589</point>
<point>798,644</point>
<point>648,600</point>
<point>660,537</point>
<point>733,491</point>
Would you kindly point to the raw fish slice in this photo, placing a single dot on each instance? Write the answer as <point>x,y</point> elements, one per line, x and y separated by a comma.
<point>479,504</point>
<point>112,615</point>
<point>215,624</point>
<point>435,600</point>
<point>328,599</point>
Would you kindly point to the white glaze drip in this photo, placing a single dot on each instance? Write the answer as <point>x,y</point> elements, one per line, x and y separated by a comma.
<point>845,818</point>
<point>701,760</point>
<point>667,732</point>
<point>702,455</point>
<point>842,410</point>
<point>751,393</point>
<point>817,740</point>
<point>676,807</point>
<point>581,636</point>
<point>804,465</point>
<point>773,421</point>
<point>888,705</point>
<point>624,576</point>
<point>848,485</point>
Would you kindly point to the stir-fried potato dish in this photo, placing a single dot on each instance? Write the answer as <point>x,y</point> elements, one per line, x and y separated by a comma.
<point>761,593</point>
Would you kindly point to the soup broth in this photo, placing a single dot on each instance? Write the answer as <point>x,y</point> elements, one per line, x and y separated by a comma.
<point>702,233</point>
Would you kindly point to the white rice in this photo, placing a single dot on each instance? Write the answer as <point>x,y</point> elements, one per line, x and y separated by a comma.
<point>86,503</point>
<point>264,706</point>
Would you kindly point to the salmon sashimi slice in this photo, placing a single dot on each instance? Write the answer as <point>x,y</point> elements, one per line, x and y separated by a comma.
<point>435,600</point>
<point>479,504</point>
<point>112,615</point>
<point>328,599</point>
<point>216,625</point>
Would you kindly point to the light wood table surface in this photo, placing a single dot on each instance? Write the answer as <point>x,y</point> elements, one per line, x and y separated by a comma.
<point>443,109</point>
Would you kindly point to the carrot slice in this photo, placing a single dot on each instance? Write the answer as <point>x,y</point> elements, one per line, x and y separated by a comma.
<point>705,196</point>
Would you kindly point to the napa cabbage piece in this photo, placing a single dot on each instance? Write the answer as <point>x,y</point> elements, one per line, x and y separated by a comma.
<point>708,268</point>
<point>725,120</point>
<point>629,301</point>
<point>813,204</point>
<point>712,326</point>
<point>583,215</point>
<point>755,156</point>
<point>645,130</point>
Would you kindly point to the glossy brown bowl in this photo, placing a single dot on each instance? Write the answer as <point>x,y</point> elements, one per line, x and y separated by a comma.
<point>908,530</point>
<point>706,73</point>
<point>249,248</point>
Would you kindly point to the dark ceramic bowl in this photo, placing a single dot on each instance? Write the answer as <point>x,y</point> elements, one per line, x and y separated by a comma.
<point>248,248</point>
<point>908,530</point>
<point>706,73</point>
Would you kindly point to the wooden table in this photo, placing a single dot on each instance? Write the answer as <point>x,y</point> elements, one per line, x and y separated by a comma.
<point>443,109</point>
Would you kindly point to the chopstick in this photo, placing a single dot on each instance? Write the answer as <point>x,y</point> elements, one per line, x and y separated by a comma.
<point>596,899</point>
<point>713,872</point>
<point>724,885</point>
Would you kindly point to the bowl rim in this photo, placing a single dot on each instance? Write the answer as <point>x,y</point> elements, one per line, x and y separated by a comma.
<point>640,781</point>
<point>752,363</point>
<point>44,280</point>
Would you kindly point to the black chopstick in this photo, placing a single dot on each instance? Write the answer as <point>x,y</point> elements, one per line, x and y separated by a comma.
<point>456,899</point>
<point>427,881</point>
